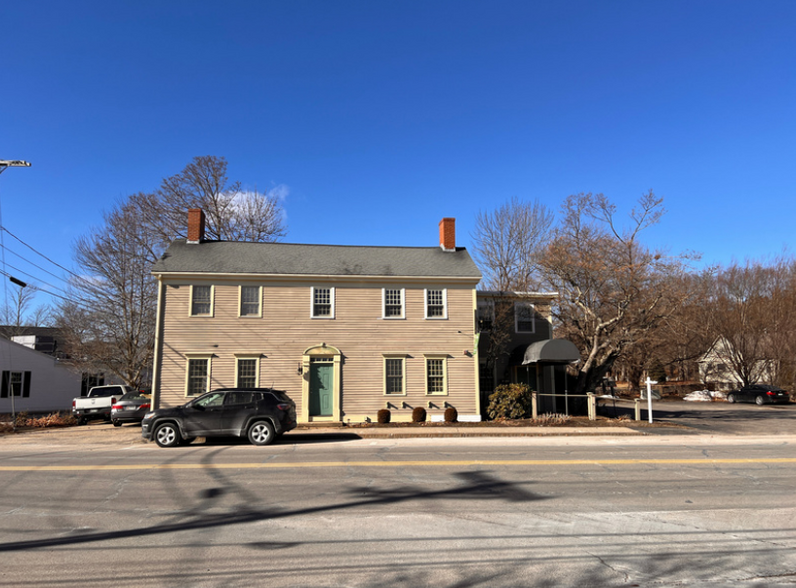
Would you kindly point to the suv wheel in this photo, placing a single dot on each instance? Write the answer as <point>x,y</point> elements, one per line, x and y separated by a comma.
<point>261,433</point>
<point>730,398</point>
<point>167,435</point>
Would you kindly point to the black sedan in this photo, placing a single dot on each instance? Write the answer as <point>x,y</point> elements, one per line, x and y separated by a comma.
<point>130,408</point>
<point>759,394</point>
<point>259,414</point>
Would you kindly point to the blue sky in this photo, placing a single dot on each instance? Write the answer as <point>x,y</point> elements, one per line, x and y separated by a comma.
<point>378,118</point>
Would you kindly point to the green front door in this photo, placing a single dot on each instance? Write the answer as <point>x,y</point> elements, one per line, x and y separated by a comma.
<point>321,388</point>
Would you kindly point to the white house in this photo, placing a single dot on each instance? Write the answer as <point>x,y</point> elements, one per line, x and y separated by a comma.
<point>38,382</point>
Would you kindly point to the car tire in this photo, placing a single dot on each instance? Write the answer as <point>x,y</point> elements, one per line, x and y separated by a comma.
<point>117,423</point>
<point>167,435</point>
<point>81,421</point>
<point>730,398</point>
<point>261,433</point>
<point>759,401</point>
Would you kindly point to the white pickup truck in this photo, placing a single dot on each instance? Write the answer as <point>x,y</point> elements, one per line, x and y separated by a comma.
<point>97,403</point>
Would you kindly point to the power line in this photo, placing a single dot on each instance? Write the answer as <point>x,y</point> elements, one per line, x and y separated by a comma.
<point>34,265</point>
<point>2,228</point>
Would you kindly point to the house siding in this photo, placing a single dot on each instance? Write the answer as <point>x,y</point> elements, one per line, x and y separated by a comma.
<point>285,330</point>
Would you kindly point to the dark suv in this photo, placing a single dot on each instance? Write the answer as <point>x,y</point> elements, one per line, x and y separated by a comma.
<point>261,414</point>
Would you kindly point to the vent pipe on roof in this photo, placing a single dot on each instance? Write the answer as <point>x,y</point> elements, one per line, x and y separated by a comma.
<point>447,234</point>
<point>196,225</point>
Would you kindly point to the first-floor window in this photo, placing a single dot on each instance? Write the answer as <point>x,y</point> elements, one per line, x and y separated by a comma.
<point>198,371</point>
<point>394,375</point>
<point>15,384</point>
<point>435,376</point>
<point>247,373</point>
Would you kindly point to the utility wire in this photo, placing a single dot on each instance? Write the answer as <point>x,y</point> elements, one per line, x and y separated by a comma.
<point>34,265</point>
<point>2,228</point>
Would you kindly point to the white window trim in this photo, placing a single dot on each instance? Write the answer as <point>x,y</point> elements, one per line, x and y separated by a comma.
<point>444,304</point>
<point>256,358</point>
<point>212,301</point>
<point>312,302</point>
<point>384,304</point>
<point>259,313</point>
<point>518,304</point>
<point>189,357</point>
<point>444,358</point>
<point>402,357</point>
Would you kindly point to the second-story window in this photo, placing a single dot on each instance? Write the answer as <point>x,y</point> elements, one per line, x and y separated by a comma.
<point>393,302</point>
<point>323,303</point>
<point>436,306</point>
<point>524,317</point>
<point>250,301</point>
<point>486,315</point>
<point>201,300</point>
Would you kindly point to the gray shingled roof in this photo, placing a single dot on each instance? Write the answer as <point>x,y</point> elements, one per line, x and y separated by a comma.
<point>230,257</point>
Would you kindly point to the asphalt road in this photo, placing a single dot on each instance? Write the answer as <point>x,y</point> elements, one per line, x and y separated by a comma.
<point>708,509</point>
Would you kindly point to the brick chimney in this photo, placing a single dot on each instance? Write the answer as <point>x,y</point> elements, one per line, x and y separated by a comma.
<point>447,234</point>
<point>196,225</point>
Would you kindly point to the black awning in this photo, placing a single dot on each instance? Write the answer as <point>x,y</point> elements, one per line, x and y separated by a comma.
<point>551,351</point>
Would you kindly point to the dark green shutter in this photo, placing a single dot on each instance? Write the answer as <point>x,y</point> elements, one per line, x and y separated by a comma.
<point>4,389</point>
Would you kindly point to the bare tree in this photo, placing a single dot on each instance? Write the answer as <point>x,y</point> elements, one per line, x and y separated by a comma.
<point>612,289</point>
<point>506,243</point>
<point>752,316</point>
<point>110,325</point>
<point>111,328</point>
<point>18,312</point>
<point>232,213</point>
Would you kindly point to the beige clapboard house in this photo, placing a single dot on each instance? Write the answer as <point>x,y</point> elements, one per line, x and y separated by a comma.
<point>344,330</point>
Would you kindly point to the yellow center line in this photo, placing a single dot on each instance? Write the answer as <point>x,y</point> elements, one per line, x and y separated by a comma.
<point>394,464</point>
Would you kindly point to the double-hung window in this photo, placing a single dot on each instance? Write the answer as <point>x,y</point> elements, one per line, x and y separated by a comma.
<point>436,304</point>
<point>322,303</point>
<point>201,300</point>
<point>486,315</point>
<point>524,317</point>
<point>197,376</point>
<point>247,372</point>
<point>393,299</point>
<point>250,301</point>
<point>436,375</point>
<point>394,375</point>
<point>15,384</point>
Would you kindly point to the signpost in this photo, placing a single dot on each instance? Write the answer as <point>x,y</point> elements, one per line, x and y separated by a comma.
<point>649,384</point>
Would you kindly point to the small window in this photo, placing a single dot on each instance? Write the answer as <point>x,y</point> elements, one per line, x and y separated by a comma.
<point>250,301</point>
<point>201,300</point>
<point>323,303</point>
<point>393,303</point>
<point>198,376</point>
<point>436,381</point>
<point>436,303</point>
<point>247,373</point>
<point>524,317</point>
<point>394,375</point>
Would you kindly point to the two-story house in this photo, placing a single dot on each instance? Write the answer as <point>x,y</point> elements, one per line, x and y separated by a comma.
<point>344,330</point>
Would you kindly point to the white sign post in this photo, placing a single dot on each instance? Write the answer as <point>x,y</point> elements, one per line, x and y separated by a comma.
<point>649,384</point>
